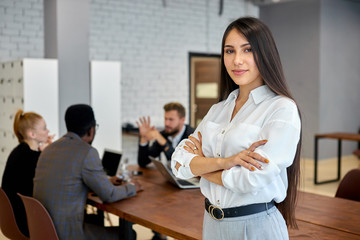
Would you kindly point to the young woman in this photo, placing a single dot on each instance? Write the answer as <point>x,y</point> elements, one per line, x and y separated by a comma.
<point>30,129</point>
<point>247,147</point>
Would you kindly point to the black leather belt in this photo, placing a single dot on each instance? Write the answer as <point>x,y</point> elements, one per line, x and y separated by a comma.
<point>218,213</point>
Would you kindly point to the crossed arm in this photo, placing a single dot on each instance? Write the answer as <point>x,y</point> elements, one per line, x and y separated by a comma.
<point>211,168</point>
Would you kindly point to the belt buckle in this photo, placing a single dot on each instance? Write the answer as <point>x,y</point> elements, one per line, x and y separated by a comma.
<point>211,211</point>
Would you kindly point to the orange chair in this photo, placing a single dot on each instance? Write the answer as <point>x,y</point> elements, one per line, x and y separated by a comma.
<point>40,223</point>
<point>349,186</point>
<point>8,224</point>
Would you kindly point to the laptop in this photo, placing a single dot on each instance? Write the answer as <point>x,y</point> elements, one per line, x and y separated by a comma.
<point>110,161</point>
<point>167,173</point>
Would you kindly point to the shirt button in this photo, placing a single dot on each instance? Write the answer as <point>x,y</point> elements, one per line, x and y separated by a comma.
<point>223,131</point>
<point>218,201</point>
<point>218,154</point>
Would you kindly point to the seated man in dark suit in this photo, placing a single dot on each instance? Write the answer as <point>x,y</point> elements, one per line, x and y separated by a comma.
<point>65,172</point>
<point>166,140</point>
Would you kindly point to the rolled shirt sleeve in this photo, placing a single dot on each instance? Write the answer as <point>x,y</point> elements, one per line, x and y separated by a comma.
<point>183,157</point>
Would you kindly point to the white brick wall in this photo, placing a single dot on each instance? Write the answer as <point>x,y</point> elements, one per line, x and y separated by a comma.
<point>153,42</point>
<point>21,29</point>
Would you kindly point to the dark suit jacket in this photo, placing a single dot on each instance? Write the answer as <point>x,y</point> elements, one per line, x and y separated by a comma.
<point>155,149</point>
<point>18,178</point>
<point>65,172</point>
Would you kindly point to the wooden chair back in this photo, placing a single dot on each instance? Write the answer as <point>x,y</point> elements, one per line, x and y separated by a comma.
<point>40,223</point>
<point>349,186</point>
<point>8,224</point>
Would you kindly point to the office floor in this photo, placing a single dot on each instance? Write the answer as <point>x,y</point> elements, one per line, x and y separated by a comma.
<point>327,170</point>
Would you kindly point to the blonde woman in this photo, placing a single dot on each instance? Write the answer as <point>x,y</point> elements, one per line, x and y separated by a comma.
<point>33,136</point>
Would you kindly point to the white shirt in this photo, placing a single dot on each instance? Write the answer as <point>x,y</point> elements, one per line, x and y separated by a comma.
<point>175,140</point>
<point>264,116</point>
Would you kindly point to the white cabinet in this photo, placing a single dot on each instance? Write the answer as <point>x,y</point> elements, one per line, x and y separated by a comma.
<point>31,85</point>
<point>105,100</point>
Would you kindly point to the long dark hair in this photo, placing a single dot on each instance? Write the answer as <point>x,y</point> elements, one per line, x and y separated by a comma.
<point>268,62</point>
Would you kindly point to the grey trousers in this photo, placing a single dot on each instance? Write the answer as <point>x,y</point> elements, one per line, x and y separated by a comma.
<point>267,225</point>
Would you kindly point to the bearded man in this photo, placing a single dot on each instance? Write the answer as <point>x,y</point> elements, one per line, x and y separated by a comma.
<point>166,140</point>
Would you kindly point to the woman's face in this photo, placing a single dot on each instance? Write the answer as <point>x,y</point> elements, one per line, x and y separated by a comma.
<point>239,61</point>
<point>41,133</point>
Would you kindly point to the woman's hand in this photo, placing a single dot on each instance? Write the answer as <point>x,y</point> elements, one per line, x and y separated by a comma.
<point>194,145</point>
<point>49,140</point>
<point>246,158</point>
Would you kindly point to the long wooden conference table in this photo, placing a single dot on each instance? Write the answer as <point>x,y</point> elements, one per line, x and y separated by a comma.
<point>179,213</point>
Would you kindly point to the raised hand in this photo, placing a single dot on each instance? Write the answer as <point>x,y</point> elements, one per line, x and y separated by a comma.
<point>145,127</point>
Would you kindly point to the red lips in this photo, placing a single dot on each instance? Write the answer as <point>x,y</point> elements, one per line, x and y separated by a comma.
<point>239,72</point>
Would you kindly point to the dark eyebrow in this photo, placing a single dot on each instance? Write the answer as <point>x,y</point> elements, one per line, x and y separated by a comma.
<point>243,45</point>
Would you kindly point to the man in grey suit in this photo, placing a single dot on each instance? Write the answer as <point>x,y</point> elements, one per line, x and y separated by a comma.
<point>65,172</point>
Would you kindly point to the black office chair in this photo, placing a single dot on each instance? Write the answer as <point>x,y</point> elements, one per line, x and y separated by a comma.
<point>349,186</point>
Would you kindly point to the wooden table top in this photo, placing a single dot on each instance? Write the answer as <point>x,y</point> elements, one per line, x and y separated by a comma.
<point>309,231</point>
<point>336,213</point>
<point>162,207</point>
<point>340,135</point>
<point>179,213</point>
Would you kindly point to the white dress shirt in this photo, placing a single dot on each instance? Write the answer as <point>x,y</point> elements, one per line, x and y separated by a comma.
<point>175,140</point>
<point>264,116</point>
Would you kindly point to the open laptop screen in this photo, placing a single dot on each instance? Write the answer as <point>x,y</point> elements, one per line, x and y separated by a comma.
<point>110,161</point>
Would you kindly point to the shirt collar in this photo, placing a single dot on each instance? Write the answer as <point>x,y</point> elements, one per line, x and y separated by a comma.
<point>258,94</point>
<point>177,138</point>
<point>232,96</point>
<point>261,93</point>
